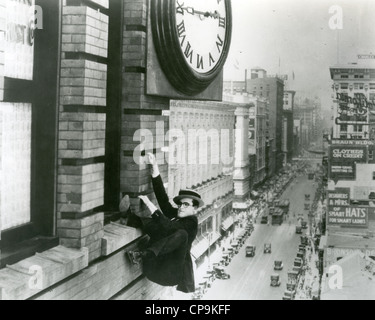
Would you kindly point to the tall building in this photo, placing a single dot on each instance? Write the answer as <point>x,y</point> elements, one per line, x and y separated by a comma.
<point>288,125</point>
<point>297,138</point>
<point>272,89</point>
<point>350,216</point>
<point>353,90</point>
<point>201,157</point>
<point>258,131</point>
<point>306,111</point>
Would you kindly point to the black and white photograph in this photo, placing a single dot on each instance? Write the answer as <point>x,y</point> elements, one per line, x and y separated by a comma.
<point>187,154</point>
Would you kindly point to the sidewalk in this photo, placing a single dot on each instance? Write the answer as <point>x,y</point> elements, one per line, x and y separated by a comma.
<point>309,282</point>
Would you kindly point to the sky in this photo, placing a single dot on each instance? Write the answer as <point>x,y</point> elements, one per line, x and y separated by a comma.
<point>299,36</point>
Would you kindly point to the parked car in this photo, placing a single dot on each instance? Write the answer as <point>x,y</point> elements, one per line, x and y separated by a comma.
<point>275,280</point>
<point>288,295</point>
<point>221,273</point>
<point>264,220</point>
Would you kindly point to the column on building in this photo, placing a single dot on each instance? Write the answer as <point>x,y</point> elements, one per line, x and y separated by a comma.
<point>82,125</point>
<point>241,160</point>
<point>141,113</point>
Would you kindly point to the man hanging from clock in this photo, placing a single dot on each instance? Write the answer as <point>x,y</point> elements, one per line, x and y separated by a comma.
<point>167,259</point>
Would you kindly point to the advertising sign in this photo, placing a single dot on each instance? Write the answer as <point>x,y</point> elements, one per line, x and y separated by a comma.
<point>352,142</point>
<point>348,216</point>
<point>339,197</point>
<point>19,39</point>
<point>343,159</point>
<point>332,254</point>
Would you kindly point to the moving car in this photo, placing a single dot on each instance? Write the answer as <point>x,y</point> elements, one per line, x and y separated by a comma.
<point>264,220</point>
<point>250,251</point>
<point>278,265</point>
<point>298,230</point>
<point>267,248</point>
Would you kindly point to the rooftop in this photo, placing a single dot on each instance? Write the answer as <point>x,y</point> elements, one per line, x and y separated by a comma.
<point>358,279</point>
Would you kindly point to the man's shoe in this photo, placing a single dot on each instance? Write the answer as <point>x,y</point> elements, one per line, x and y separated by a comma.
<point>134,257</point>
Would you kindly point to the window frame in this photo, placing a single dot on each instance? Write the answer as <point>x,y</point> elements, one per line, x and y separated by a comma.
<point>42,93</point>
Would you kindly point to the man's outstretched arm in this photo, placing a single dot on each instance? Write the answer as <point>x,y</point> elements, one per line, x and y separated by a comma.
<point>159,190</point>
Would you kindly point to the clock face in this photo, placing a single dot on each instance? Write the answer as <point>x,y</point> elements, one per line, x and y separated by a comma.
<point>201,29</point>
<point>192,40</point>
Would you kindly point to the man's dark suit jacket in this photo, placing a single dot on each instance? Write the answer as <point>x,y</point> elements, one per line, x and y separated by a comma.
<point>163,270</point>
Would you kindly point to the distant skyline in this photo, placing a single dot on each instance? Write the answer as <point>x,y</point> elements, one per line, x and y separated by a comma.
<point>295,36</point>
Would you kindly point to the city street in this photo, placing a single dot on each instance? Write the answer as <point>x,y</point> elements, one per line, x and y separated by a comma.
<point>250,276</point>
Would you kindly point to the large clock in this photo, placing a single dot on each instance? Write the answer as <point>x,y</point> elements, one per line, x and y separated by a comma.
<point>192,39</point>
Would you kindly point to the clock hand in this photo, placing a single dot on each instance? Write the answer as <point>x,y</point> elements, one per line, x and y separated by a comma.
<point>206,14</point>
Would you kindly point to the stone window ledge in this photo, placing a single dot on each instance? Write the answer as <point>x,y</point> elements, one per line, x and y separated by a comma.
<point>30,276</point>
<point>117,236</point>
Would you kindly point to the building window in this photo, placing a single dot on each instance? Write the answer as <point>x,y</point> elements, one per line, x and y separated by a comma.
<point>357,128</point>
<point>372,86</point>
<point>343,127</point>
<point>358,76</point>
<point>373,175</point>
<point>344,86</point>
<point>361,86</point>
<point>344,76</point>
<point>371,155</point>
<point>28,129</point>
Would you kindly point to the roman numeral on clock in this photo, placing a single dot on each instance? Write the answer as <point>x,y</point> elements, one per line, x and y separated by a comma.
<point>179,8</point>
<point>222,22</point>
<point>219,43</point>
<point>199,62</point>
<point>181,32</point>
<point>212,60</point>
<point>188,52</point>
<point>181,28</point>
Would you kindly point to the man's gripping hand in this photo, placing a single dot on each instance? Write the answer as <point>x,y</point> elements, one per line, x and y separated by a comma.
<point>151,159</point>
<point>151,207</point>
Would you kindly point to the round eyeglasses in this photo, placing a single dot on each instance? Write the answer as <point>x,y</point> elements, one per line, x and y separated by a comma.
<point>185,205</point>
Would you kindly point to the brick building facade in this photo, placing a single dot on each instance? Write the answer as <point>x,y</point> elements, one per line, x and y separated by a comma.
<point>82,108</point>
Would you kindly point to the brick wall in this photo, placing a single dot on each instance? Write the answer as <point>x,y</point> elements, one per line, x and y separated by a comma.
<point>82,125</point>
<point>139,110</point>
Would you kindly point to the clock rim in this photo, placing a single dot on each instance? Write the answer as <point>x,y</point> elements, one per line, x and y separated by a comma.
<point>170,54</point>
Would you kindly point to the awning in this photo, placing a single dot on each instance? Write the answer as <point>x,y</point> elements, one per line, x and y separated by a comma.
<point>201,247</point>
<point>227,223</point>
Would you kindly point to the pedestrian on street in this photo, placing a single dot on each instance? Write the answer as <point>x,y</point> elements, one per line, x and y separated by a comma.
<point>166,259</point>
